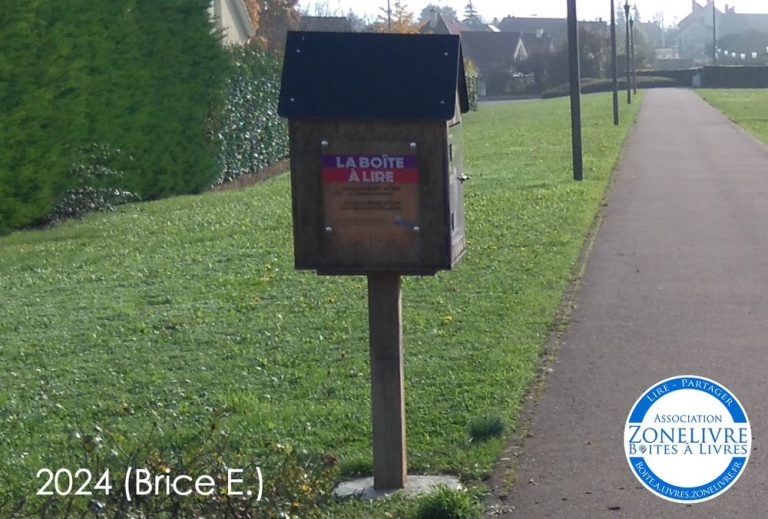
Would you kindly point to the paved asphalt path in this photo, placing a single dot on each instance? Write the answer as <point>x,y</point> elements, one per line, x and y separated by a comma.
<point>677,283</point>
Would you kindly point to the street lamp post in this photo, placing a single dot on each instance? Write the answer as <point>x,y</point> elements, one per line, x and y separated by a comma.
<point>575,80</point>
<point>626,51</point>
<point>614,65</point>
<point>632,51</point>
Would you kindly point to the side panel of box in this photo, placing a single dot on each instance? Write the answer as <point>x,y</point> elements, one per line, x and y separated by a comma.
<point>456,193</point>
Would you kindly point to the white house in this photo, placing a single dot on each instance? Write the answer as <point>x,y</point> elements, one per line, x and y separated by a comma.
<point>695,32</point>
<point>232,18</point>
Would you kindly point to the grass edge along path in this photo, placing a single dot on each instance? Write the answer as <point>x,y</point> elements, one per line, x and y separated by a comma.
<point>126,337</point>
<point>742,106</point>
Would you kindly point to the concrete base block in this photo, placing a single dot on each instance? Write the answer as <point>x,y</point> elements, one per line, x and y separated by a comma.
<point>414,486</point>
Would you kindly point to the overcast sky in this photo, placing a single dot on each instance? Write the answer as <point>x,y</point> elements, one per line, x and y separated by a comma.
<point>674,10</point>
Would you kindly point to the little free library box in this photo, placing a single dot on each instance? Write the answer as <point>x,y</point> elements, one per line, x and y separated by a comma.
<point>376,151</point>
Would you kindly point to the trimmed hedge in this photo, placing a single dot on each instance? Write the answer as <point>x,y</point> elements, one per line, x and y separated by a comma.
<point>252,135</point>
<point>141,76</point>
<point>591,86</point>
<point>683,76</point>
<point>735,77</point>
<point>719,76</point>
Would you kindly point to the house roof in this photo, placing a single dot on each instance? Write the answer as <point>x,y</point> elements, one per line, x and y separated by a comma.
<point>445,24</point>
<point>328,75</point>
<point>595,25</point>
<point>738,22</point>
<point>702,14</point>
<point>555,27</point>
<point>531,25</point>
<point>536,44</point>
<point>696,14</point>
<point>325,24</point>
<point>487,49</point>
<point>729,22</point>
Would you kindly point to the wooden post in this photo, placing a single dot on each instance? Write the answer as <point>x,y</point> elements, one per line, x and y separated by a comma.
<point>385,319</point>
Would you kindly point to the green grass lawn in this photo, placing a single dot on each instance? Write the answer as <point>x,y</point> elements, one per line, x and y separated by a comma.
<point>145,327</point>
<point>746,107</point>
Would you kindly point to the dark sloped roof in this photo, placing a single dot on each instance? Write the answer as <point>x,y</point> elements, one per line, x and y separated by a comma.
<point>487,49</point>
<point>367,76</point>
<point>728,23</point>
<point>694,17</point>
<point>452,25</point>
<point>446,24</point>
<point>548,25</point>
<point>536,45</point>
<point>596,26</point>
<point>325,24</point>
<point>754,22</point>
<point>555,27</point>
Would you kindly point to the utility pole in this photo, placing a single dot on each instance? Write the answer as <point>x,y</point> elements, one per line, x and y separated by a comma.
<point>614,65</point>
<point>714,33</point>
<point>575,78</point>
<point>389,16</point>
<point>626,51</point>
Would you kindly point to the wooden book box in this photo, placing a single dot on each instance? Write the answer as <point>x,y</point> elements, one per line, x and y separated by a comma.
<point>376,151</point>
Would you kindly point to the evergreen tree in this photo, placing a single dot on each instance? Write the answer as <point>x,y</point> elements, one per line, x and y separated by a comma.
<point>471,16</point>
<point>139,77</point>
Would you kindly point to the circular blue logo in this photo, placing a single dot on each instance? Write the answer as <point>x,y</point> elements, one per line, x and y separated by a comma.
<point>687,439</point>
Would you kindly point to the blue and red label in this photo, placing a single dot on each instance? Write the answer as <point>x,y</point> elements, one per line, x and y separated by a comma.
<point>387,169</point>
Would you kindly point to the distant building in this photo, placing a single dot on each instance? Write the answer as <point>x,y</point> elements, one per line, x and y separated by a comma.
<point>495,53</point>
<point>491,48</point>
<point>538,43</point>
<point>325,24</point>
<point>695,32</point>
<point>555,28</point>
<point>667,58</point>
<point>654,34</point>
<point>231,17</point>
<point>440,23</point>
<point>496,56</point>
